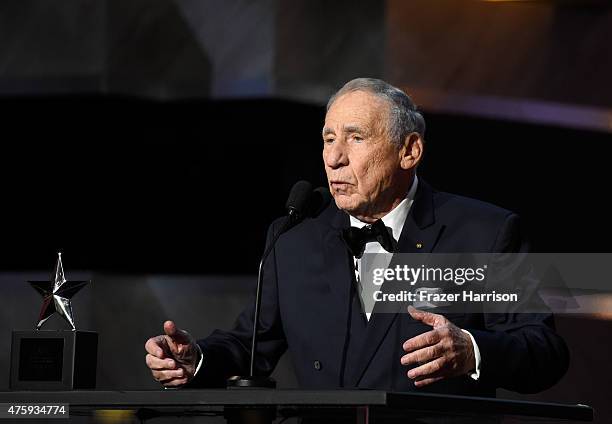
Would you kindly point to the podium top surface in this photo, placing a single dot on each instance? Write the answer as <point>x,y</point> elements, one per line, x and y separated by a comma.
<point>299,398</point>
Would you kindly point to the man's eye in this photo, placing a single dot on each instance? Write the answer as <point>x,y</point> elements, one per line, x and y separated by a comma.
<point>357,139</point>
<point>328,140</point>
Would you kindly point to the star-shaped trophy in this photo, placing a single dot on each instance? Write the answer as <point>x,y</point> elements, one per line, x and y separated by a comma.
<point>56,295</point>
<point>54,359</point>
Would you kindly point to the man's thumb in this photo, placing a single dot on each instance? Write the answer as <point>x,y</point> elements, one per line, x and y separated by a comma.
<point>423,316</point>
<point>170,328</point>
<point>177,335</point>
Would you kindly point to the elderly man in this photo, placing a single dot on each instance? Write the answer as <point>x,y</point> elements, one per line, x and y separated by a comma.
<point>372,145</point>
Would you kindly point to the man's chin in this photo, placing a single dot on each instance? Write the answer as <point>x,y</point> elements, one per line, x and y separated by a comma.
<point>345,203</point>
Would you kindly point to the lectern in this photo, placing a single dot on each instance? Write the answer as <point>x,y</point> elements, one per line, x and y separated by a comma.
<point>327,406</point>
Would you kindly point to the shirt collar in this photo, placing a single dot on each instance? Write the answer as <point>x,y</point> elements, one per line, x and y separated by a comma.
<point>396,218</point>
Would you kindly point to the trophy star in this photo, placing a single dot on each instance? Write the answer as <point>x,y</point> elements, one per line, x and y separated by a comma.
<point>56,295</point>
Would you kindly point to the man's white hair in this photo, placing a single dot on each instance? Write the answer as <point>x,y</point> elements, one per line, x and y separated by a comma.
<point>403,114</point>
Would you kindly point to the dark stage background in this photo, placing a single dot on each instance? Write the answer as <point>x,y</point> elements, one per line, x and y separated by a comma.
<point>128,185</point>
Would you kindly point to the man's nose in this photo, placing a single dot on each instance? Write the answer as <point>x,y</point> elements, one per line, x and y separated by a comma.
<point>336,155</point>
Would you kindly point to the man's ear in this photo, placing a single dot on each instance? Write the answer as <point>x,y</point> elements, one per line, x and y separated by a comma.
<point>412,151</point>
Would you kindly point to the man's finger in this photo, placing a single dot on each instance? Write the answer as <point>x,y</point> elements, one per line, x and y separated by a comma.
<point>177,335</point>
<point>422,340</point>
<point>157,346</point>
<point>423,355</point>
<point>156,363</point>
<point>426,370</point>
<point>427,381</point>
<point>168,374</point>
<point>175,382</point>
<point>425,317</point>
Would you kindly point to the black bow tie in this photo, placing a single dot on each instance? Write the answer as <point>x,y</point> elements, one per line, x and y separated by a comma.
<point>356,238</point>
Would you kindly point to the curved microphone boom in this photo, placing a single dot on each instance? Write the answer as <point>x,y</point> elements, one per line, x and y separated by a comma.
<point>302,202</point>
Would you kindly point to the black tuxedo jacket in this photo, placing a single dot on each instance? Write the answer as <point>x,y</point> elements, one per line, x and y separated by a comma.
<point>309,308</point>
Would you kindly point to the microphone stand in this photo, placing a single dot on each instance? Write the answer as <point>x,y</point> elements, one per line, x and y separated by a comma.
<point>253,381</point>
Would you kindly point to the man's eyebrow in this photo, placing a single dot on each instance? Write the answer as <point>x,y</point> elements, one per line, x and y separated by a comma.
<point>350,128</point>
<point>353,129</point>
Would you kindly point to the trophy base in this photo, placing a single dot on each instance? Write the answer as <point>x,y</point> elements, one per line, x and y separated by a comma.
<point>53,360</point>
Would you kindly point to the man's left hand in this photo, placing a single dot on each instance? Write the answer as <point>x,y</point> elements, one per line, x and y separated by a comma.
<point>445,351</point>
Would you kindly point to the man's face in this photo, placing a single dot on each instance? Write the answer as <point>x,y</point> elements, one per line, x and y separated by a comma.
<point>360,161</point>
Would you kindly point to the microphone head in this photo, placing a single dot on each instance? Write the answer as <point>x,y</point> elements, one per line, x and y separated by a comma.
<point>319,200</point>
<point>299,197</point>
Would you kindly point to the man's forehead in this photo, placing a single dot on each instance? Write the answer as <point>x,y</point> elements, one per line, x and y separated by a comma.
<point>354,110</point>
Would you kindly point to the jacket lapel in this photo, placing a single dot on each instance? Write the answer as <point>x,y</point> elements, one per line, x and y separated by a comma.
<point>419,235</point>
<point>338,269</point>
<point>337,258</point>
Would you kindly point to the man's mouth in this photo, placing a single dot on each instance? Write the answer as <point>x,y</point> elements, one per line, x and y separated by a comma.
<point>339,185</point>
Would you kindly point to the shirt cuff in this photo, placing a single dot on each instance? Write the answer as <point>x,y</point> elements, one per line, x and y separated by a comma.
<point>476,374</point>
<point>201,355</point>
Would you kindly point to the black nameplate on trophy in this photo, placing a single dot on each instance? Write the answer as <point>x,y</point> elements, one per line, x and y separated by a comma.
<point>53,360</point>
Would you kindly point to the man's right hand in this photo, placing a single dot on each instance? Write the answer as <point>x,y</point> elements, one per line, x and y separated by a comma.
<point>172,357</point>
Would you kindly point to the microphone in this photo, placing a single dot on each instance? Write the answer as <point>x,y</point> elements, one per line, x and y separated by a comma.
<point>298,199</point>
<point>301,203</point>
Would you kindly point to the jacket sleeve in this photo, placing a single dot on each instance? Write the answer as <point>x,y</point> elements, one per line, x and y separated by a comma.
<point>520,351</point>
<point>226,353</point>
